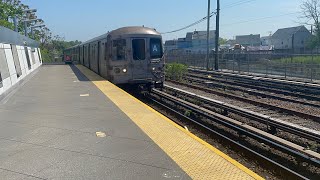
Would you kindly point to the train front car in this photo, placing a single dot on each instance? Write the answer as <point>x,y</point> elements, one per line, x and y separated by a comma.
<point>136,57</point>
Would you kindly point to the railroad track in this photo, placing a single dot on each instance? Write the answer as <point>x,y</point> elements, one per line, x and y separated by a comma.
<point>243,131</point>
<point>305,88</point>
<point>269,92</point>
<point>272,124</point>
<point>267,106</point>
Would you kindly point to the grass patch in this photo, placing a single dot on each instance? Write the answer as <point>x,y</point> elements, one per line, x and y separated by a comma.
<point>300,59</point>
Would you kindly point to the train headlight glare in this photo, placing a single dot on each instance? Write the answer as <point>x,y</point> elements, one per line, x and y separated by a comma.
<point>153,69</point>
<point>124,70</point>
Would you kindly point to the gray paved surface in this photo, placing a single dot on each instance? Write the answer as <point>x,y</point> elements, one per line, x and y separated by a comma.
<point>47,131</point>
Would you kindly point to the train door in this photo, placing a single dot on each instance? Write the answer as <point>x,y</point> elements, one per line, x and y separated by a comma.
<point>89,55</point>
<point>83,50</point>
<point>98,58</point>
<point>107,58</point>
<point>79,55</point>
<point>139,58</point>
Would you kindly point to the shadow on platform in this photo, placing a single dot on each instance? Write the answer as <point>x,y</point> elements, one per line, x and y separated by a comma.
<point>78,73</point>
<point>53,63</point>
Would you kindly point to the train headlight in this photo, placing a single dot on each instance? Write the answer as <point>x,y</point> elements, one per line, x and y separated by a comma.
<point>124,70</point>
<point>153,69</point>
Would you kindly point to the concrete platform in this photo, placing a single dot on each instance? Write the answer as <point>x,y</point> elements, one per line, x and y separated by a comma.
<point>69,124</point>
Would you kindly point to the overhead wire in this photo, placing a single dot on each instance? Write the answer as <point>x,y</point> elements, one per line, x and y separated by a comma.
<point>211,14</point>
<point>237,3</point>
<point>262,18</point>
<point>190,25</point>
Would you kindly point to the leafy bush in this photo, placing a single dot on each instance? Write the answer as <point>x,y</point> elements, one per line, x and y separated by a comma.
<point>46,56</point>
<point>175,71</point>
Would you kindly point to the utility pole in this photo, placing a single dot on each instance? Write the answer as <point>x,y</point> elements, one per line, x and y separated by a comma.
<point>292,50</point>
<point>216,63</point>
<point>208,29</point>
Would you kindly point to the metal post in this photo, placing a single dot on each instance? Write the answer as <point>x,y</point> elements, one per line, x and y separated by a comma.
<point>292,43</point>
<point>25,28</point>
<point>311,70</point>
<point>15,22</point>
<point>216,63</point>
<point>208,29</point>
<point>239,61</point>
<point>32,36</point>
<point>285,70</point>
<point>267,68</point>
<point>248,56</point>
<point>233,63</point>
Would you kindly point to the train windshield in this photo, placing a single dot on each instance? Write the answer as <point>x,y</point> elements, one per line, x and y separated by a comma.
<point>155,48</point>
<point>139,49</point>
<point>119,46</point>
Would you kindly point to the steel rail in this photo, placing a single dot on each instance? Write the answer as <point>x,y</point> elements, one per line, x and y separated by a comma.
<point>269,121</point>
<point>233,84</point>
<point>258,103</point>
<point>285,146</point>
<point>252,152</point>
<point>313,88</point>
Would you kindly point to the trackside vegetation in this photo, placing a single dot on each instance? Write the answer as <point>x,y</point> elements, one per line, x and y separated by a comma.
<point>175,71</point>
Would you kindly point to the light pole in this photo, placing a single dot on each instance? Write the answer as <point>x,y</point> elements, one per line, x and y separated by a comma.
<point>15,22</point>
<point>208,29</point>
<point>216,63</point>
<point>26,20</point>
<point>26,23</point>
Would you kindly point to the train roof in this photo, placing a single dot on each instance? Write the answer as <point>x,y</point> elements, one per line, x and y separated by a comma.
<point>133,30</point>
<point>130,30</point>
<point>126,31</point>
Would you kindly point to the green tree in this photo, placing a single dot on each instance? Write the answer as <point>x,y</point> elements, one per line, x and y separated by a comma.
<point>51,46</point>
<point>222,41</point>
<point>311,12</point>
<point>10,9</point>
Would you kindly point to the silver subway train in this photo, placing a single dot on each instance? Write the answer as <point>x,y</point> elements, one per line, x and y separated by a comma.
<point>128,55</point>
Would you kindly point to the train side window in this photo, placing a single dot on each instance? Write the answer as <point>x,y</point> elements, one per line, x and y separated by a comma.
<point>139,49</point>
<point>105,51</point>
<point>119,49</point>
<point>155,48</point>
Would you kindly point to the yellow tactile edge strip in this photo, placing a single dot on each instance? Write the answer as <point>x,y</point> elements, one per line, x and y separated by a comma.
<point>97,80</point>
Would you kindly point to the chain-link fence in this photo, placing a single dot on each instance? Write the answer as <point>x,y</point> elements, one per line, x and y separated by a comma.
<point>281,64</point>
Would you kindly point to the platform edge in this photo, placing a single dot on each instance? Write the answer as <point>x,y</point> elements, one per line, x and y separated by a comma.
<point>215,150</point>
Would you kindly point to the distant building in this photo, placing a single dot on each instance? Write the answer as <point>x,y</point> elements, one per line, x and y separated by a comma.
<point>231,42</point>
<point>292,38</point>
<point>193,42</point>
<point>266,41</point>
<point>199,40</point>
<point>189,36</point>
<point>248,40</point>
<point>171,45</point>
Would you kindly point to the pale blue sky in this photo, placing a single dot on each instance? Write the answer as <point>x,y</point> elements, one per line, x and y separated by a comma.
<point>84,19</point>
